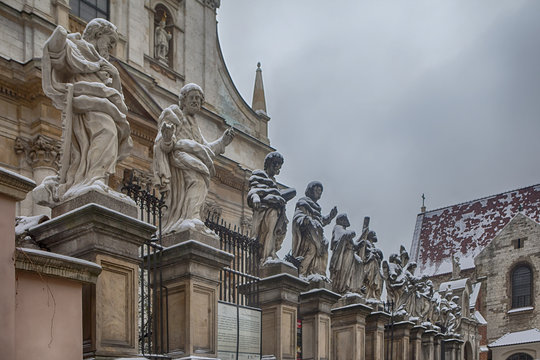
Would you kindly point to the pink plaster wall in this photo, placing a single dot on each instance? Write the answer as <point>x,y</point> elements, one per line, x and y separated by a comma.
<point>7,276</point>
<point>48,314</point>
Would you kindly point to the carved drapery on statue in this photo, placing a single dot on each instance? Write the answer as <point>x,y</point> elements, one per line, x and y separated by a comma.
<point>268,204</point>
<point>346,269</point>
<point>372,258</point>
<point>81,82</point>
<point>308,242</point>
<point>184,161</point>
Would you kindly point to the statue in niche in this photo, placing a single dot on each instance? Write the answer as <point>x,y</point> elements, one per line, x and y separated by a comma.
<point>184,161</point>
<point>345,266</point>
<point>456,269</point>
<point>372,258</point>
<point>268,204</point>
<point>80,81</point>
<point>161,40</point>
<point>308,242</point>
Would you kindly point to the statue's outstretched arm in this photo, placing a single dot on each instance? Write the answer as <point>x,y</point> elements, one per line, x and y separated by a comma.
<point>57,41</point>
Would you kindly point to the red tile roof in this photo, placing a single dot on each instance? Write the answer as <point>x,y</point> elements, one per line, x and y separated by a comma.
<point>465,229</point>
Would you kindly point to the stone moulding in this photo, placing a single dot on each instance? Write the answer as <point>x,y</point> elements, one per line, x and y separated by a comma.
<point>51,264</point>
<point>14,185</point>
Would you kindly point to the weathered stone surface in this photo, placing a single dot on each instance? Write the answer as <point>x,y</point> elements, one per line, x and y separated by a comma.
<point>276,268</point>
<point>400,346</point>
<point>14,185</point>
<point>375,324</point>
<point>348,332</point>
<point>123,205</point>
<point>204,236</point>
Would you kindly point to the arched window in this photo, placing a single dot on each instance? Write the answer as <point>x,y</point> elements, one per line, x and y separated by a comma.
<point>520,356</point>
<point>521,286</point>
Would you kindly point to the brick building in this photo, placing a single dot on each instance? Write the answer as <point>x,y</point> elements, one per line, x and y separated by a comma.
<point>497,242</point>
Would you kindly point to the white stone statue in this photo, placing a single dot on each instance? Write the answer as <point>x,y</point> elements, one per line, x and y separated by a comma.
<point>345,267</point>
<point>372,259</point>
<point>396,280</point>
<point>268,204</point>
<point>308,242</point>
<point>184,161</point>
<point>81,82</point>
<point>161,40</point>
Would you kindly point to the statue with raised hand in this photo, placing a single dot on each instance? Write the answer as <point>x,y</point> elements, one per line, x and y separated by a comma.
<point>80,81</point>
<point>184,161</point>
<point>308,242</point>
<point>268,204</point>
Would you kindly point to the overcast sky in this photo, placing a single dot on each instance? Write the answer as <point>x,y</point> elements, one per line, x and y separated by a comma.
<point>382,101</point>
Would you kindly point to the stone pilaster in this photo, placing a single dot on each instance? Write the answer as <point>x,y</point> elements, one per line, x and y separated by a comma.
<point>375,324</point>
<point>428,344</point>
<point>397,339</point>
<point>13,188</point>
<point>416,342</point>
<point>279,299</point>
<point>349,332</point>
<point>438,346</point>
<point>190,271</point>
<point>315,309</point>
<point>110,239</point>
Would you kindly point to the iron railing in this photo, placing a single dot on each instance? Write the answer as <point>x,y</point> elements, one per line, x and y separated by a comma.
<point>239,283</point>
<point>153,296</point>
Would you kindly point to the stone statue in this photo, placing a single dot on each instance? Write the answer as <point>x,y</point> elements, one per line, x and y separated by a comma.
<point>456,269</point>
<point>161,40</point>
<point>450,312</point>
<point>308,242</point>
<point>80,81</point>
<point>396,280</point>
<point>268,204</point>
<point>345,267</point>
<point>184,161</point>
<point>372,258</point>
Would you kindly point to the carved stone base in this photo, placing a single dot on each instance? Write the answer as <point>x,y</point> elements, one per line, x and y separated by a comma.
<point>205,236</point>
<point>375,323</point>
<point>399,348</point>
<point>122,204</point>
<point>278,267</point>
<point>348,332</point>
<point>278,296</point>
<point>452,349</point>
<point>190,271</point>
<point>111,240</point>
<point>416,342</point>
<point>428,345</point>
<point>315,309</point>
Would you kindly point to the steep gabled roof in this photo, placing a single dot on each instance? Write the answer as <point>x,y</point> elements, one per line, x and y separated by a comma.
<point>465,229</point>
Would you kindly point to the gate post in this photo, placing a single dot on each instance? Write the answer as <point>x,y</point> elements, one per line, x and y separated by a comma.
<point>349,332</point>
<point>315,309</point>
<point>400,344</point>
<point>428,344</point>
<point>416,342</point>
<point>190,270</point>
<point>94,227</point>
<point>375,323</point>
<point>279,290</point>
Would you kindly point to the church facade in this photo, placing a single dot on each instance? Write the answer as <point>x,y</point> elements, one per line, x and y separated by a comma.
<point>162,46</point>
<point>494,243</point>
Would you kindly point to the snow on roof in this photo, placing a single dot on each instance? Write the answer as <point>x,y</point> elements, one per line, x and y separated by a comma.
<point>519,337</point>
<point>453,285</point>
<point>474,295</point>
<point>479,318</point>
<point>466,229</point>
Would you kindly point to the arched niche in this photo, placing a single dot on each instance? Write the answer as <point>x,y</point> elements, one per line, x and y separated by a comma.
<point>163,35</point>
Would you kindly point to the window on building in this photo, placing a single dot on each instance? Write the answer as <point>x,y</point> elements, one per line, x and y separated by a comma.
<point>521,286</point>
<point>520,356</point>
<point>90,9</point>
<point>518,243</point>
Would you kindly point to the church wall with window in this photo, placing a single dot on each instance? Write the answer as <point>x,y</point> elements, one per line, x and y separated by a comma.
<point>30,127</point>
<point>509,269</point>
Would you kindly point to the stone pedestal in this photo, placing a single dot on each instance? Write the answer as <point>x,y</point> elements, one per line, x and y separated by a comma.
<point>13,188</point>
<point>190,271</point>
<point>452,349</point>
<point>349,332</point>
<point>278,295</point>
<point>438,346</point>
<point>428,344</point>
<point>315,309</point>
<point>112,240</point>
<point>397,340</point>
<point>375,323</point>
<point>416,343</point>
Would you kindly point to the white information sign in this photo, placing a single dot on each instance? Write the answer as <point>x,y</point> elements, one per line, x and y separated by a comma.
<point>239,332</point>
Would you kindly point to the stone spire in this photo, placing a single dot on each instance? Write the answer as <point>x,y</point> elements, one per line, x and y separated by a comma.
<point>259,102</point>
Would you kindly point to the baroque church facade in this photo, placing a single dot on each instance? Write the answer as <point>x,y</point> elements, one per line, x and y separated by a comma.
<point>162,46</point>
<point>493,246</point>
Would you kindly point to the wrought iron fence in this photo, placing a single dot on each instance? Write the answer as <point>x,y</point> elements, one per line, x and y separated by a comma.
<point>239,283</point>
<point>153,296</point>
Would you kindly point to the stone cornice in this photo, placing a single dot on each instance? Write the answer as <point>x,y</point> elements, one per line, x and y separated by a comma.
<point>15,185</point>
<point>51,264</point>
